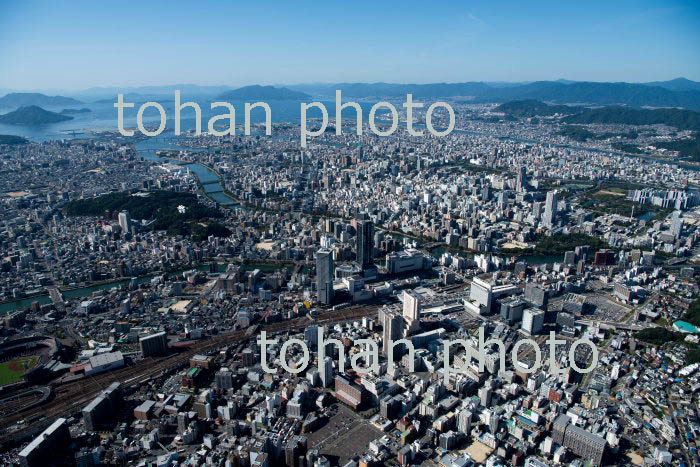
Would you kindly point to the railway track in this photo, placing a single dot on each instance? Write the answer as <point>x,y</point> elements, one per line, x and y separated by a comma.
<point>71,396</point>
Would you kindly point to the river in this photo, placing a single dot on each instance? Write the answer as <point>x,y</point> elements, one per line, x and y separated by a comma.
<point>211,183</point>
<point>82,291</point>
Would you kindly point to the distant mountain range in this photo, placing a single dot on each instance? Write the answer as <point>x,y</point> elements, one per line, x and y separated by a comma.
<point>110,93</point>
<point>678,84</point>
<point>20,99</point>
<point>132,97</point>
<point>679,92</point>
<point>675,93</point>
<point>32,115</point>
<point>681,119</point>
<point>263,93</point>
<point>163,93</point>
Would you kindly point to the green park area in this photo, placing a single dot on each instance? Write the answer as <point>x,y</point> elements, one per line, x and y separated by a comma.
<point>611,198</point>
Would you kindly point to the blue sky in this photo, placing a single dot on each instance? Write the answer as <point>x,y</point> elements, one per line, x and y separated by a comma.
<point>79,44</point>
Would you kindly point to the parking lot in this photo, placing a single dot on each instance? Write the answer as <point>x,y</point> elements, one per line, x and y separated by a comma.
<point>345,436</point>
<point>606,309</point>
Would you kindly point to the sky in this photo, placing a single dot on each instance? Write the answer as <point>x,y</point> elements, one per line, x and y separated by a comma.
<point>80,44</point>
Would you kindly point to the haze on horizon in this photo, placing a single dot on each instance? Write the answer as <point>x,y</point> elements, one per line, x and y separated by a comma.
<point>52,46</point>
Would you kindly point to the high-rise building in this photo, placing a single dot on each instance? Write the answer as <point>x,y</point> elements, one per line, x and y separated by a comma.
<point>536,295</point>
<point>390,407</point>
<point>326,371</point>
<point>448,440</point>
<point>125,221</point>
<point>512,310</point>
<point>311,336</point>
<point>521,180</point>
<point>411,310</point>
<point>224,378</point>
<point>676,225</point>
<point>365,243</point>
<point>394,326</point>
<point>533,320</point>
<point>537,209</point>
<point>582,442</point>
<point>324,276</point>
<point>102,409</point>
<point>464,421</point>
<point>494,422</point>
<point>486,393</point>
<point>155,344</point>
<point>570,258</point>
<point>48,447</point>
<point>348,392</point>
<point>551,207</point>
<point>481,293</point>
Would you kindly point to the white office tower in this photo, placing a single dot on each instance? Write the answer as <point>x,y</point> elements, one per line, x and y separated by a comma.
<point>481,295</point>
<point>533,320</point>
<point>125,221</point>
<point>324,276</point>
<point>411,310</point>
<point>550,210</point>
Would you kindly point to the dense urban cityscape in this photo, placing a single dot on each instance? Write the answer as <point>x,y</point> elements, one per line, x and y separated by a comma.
<point>350,234</point>
<point>138,275</point>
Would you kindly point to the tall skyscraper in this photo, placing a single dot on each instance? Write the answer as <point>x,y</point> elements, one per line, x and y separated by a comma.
<point>411,310</point>
<point>550,213</point>
<point>125,221</point>
<point>521,180</point>
<point>676,224</point>
<point>326,371</point>
<point>394,326</point>
<point>324,276</point>
<point>494,422</point>
<point>365,243</point>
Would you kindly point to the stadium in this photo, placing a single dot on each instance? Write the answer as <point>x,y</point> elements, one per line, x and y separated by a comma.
<point>22,360</point>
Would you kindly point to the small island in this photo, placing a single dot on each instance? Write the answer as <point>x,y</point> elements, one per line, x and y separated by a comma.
<point>12,139</point>
<point>32,115</point>
<point>84,110</point>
